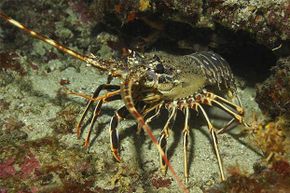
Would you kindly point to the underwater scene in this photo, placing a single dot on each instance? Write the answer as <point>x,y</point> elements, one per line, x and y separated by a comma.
<point>105,96</point>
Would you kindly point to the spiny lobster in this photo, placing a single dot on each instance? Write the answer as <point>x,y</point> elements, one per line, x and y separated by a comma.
<point>150,84</point>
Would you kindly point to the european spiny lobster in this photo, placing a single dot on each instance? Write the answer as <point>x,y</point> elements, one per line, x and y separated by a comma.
<point>150,84</point>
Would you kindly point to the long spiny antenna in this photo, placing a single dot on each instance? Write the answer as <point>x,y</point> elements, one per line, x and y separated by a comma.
<point>106,66</point>
<point>127,96</point>
<point>98,63</point>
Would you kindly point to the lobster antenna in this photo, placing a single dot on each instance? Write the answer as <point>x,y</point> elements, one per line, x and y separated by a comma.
<point>106,66</point>
<point>126,91</point>
<point>90,60</point>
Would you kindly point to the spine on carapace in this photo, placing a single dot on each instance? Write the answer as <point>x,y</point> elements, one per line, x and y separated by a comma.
<point>98,63</point>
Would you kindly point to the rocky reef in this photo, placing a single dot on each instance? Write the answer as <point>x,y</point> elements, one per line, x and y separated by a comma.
<point>39,150</point>
<point>274,93</point>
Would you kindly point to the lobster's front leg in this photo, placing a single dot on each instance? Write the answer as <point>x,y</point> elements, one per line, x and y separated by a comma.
<point>96,113</point>
<point>163,139</point>
<point>114,135</point>
<point>96,110</point>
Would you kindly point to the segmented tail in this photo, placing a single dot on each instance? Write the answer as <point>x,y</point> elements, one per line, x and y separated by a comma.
<point>98,63</point>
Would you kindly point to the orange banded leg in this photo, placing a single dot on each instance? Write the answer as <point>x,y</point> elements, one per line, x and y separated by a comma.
<point>238,117</point>
<point>218,101</point>
<point>90,103</point>
<point>163,140</point>
<point>226,127</point>
<point>96,113</point>
<point>157,112</point>
<point>210,99</point>
<point>185,143</point>
<point>211,96</point>
<point>114,135</point>
<point>212,131</point>
<point>157,109</point>
<point>96,110</point>
<point>126,92</point>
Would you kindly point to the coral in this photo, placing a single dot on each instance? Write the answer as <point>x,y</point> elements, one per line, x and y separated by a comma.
<point>271,138</point>
<point>45,165</point>
<point>9,61</point>
<point>159,182</point>
<point>19,168</point>
<point>11,124</point>
<point>272,179</point>
<point>29,166</point>
<point>144,5</point>
<point>264,19</point>
<point>7,169</point>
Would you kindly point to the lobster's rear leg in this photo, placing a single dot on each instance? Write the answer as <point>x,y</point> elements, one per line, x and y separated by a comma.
<point>185,143</point>
<point>213,133</point>
<point>212,96</point>
<point>163,139</point>
<point>226,126</point>
<point>210,99</point>
<point>114,135</point>
<point>220,102</point>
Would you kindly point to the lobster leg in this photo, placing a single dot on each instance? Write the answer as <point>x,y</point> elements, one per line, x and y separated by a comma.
<point>226,127</point>
<point>96,110</point>
<point>212,131</point>
<point>185,143</point>
<point>114,135</point>
<point>238,117</point>
<point>149,119</point>
<point>126,92</point>
<point>210,98</point>
<point>96,113</point>
<point>157,109</point>
<point>163,139</point>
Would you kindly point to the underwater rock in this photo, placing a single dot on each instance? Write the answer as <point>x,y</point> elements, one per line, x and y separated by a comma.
<point>273,95</point>
<point>58,161</point>
<point>266,179</point>
<point>266,20</point>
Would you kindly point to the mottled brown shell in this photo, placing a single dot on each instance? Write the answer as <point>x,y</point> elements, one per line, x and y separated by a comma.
<point>183,76</point>
<point>216,69</point>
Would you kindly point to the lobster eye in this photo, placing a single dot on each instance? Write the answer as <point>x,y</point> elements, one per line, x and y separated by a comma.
<point>159,68</point>
<point>162,79</point>
<point>151,76</point>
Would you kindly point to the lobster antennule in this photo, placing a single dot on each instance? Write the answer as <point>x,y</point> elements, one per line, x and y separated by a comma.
<point>126,91</point>
<point>98,63</point>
